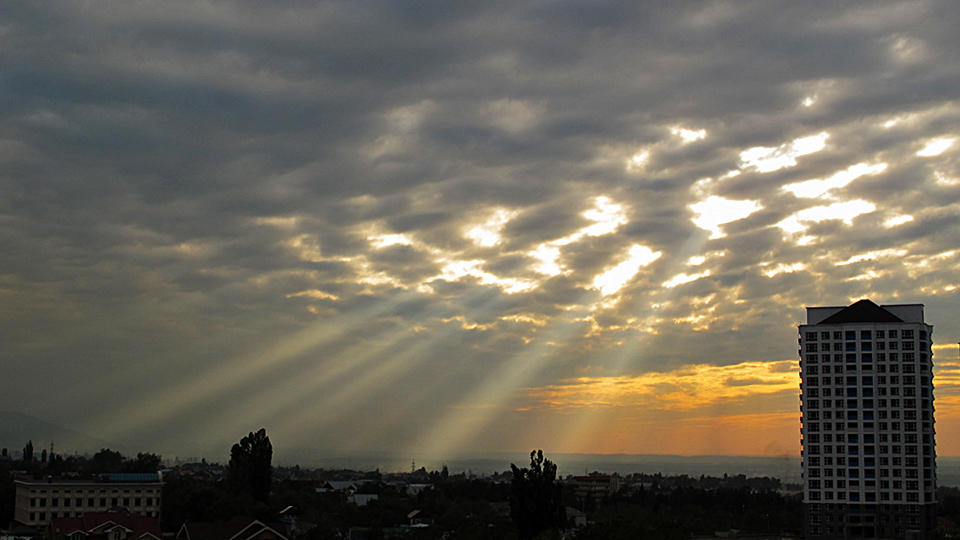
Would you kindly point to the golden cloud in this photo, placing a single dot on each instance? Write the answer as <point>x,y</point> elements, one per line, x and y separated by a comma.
<point>683,389</point>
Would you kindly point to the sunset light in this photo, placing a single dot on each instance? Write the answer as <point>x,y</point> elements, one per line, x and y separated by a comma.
<point>443,230</point>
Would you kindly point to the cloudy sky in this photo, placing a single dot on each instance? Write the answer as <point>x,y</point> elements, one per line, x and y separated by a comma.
<point>442,227</point>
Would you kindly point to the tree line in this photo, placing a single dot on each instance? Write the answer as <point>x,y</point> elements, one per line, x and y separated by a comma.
<point>532,504</point>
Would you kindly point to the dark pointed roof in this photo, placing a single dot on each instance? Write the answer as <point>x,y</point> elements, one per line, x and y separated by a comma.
<point>862,311</point>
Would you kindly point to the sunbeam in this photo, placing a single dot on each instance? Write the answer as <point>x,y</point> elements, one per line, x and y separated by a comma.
<point>629,356</point>
<point>206,386</point>
<point>401,353</point>
<point>455,428</point>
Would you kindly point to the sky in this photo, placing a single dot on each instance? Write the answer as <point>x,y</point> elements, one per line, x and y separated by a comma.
<point>441,228</point>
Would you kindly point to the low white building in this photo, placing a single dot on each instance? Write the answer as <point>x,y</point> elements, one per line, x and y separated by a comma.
<point>38,502</point>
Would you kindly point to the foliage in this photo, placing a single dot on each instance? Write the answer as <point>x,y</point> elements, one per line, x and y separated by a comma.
<point>106,461</point>
<point>948,499</point>
<point>458,507</point>
<point>146,462</point>
<point>536,498</point>
<point>7,495</point>
<point>28,452</point>
<point>250,470</point>
<point>678,512</point>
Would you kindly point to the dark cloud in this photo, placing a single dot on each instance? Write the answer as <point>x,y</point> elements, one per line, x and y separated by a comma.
<point>182,184</point>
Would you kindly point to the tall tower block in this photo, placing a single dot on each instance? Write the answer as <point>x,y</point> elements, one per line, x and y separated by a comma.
<point>867,428</point>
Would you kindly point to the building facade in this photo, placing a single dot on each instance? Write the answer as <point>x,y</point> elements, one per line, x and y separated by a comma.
<point>866,399</point>
<point>38,502</point>
<point>595,487</point>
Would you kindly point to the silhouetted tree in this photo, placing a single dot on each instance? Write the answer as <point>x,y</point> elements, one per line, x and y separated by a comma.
<point>8,496</point>
<point>145,463</point>
<point>536,498</point>
<point>106,460</point>
<point>250,470</point>
<point>28,452</point>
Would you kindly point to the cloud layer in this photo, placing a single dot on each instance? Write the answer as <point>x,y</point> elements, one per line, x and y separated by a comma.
<point>442,227</point>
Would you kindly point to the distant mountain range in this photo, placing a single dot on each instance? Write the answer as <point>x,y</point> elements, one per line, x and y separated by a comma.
<point>16,429</point>
<point>786,468</point>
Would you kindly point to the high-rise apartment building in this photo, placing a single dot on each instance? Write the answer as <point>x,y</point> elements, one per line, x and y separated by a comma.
<point>866,398</point>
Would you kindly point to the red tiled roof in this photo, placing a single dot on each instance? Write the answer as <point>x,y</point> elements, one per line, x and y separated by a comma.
<point>225,530</point>
<point>91,521</point>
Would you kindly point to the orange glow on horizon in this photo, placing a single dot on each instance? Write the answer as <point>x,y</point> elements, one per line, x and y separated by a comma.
<point>689,387</point>
<point>702,410</point>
